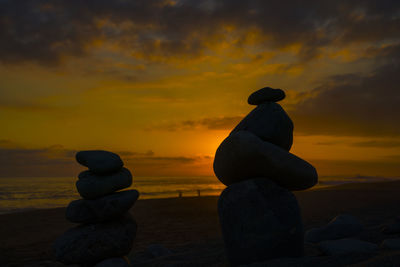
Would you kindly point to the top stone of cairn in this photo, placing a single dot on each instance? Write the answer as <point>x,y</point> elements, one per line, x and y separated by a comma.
<point>100,161</point>
<point>266,94</point>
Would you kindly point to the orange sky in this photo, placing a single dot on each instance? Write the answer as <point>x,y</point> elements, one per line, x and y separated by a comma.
<point>164,82</point>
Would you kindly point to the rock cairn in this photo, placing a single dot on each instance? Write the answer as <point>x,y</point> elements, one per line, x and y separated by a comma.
<point>259,216</point>
<point>106,229</point>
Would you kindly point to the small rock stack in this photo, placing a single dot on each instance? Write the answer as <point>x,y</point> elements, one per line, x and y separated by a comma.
<point>259,216</point>
<point>106,229</point>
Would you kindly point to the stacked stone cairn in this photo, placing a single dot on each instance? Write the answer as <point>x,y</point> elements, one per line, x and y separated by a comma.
<point>259,215</point>
<point>106,231</point>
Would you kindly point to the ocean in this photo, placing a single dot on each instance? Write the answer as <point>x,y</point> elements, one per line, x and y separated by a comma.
<point>28,193</point>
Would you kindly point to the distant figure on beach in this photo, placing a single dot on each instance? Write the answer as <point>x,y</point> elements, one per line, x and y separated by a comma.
<point>180,194</point>
<point>198,192</point>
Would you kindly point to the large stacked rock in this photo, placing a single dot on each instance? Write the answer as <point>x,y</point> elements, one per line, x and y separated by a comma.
<point>259,216</point>
<point>106,228</point>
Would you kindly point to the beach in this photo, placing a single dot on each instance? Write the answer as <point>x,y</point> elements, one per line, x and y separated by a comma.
<point>189,228</point>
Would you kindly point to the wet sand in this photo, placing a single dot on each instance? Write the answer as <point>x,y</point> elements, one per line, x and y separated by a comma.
<point>189,226</point>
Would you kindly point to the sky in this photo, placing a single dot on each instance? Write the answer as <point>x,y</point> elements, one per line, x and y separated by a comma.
<point>163,82</point>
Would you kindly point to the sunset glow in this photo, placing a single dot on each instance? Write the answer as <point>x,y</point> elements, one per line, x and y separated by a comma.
<point>164,82</point>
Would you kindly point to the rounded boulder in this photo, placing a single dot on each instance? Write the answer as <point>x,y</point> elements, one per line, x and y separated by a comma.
<point>92,186</point>
<point>242,156</point>
<point>99,161</point>
<point>101,209</point>
<point>270,123</point>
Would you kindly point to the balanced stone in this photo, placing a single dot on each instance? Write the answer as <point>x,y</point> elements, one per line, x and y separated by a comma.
<point>242,155</point>
<point>101,209</point>
<point>91,186</point>
<point>269,122</point>
<point>392,229</point>
<point>100,161</point>
<point>341,226</point>
<point>259,221</point>
<point>91,243</point>
<point>345,246</point>
<point>391,243</point>
<point>266,94</point>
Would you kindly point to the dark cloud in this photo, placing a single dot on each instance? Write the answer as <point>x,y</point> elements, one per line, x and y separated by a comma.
<point>355,104</point>
<point>56,161</point>
<point>211,123</point>
<point>378,143</point>
<point>45,32</point>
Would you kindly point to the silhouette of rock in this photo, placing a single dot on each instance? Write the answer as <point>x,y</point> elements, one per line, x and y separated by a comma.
<point>91,186</point>
<point>242,155</point>
<point>344,246</point>
<point>157,250</point>
<point>259,221</point>
<point>100,161</point>
<point>113,262</point>
<point>101,209</point>
<point>266,94</point>
<point>392,229</point>
<point>269,122</point>
<point>392,243</point>
<point>92,243</point>
<point>341,226</point>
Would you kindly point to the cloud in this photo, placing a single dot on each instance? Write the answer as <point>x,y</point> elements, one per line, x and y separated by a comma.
<point>355,104</point>
<point>47,33</point>
<point>57,161</point>
<point>378,143</point>
<point>209,123</point>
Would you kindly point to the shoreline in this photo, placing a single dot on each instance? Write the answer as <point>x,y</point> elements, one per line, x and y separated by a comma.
<point>191,223</point>
<point>343,185</point>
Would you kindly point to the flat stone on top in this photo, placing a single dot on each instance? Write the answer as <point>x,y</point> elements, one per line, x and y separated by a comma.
<point>266,94</point>
<point>99,161</point>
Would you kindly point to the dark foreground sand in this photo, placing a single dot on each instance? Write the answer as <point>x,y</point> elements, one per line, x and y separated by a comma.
<point>189,228</point>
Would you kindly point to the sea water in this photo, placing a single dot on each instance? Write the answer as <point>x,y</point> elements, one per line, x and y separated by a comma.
<point>27,193</point>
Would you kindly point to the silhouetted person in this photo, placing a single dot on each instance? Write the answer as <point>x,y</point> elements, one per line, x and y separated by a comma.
<point>198,192</point>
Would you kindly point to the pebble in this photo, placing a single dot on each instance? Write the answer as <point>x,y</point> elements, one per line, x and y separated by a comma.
<point>101,209</point>
<point>100,161</point>
<point>157,250</point>
<point>345,246</point>
<point>242,156</point>
<point>392,243</point>
<point>266,94</point>
<point>269,122</point>
<point>91,243</point>
<point>91,186</point>
<point>341,226</point>
<point>392,229</point>
<point>260,221</point>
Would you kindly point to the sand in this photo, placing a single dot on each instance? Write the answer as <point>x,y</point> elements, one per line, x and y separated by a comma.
<point>189,227</point>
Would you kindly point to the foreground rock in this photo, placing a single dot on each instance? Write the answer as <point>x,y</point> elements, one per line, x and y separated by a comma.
<point>259,221</point>
<point>113,262</point>
<point>270,123</point>
<point>392,229</point>
<point>340,227</point>
<point>92,243</point>
<point>99,161</point>
<point>242,156</point>
<point>91,186</point>
<point>345,246</point>
<point>98,210</point>
<point>266,94</point>
<point>392,243</point>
